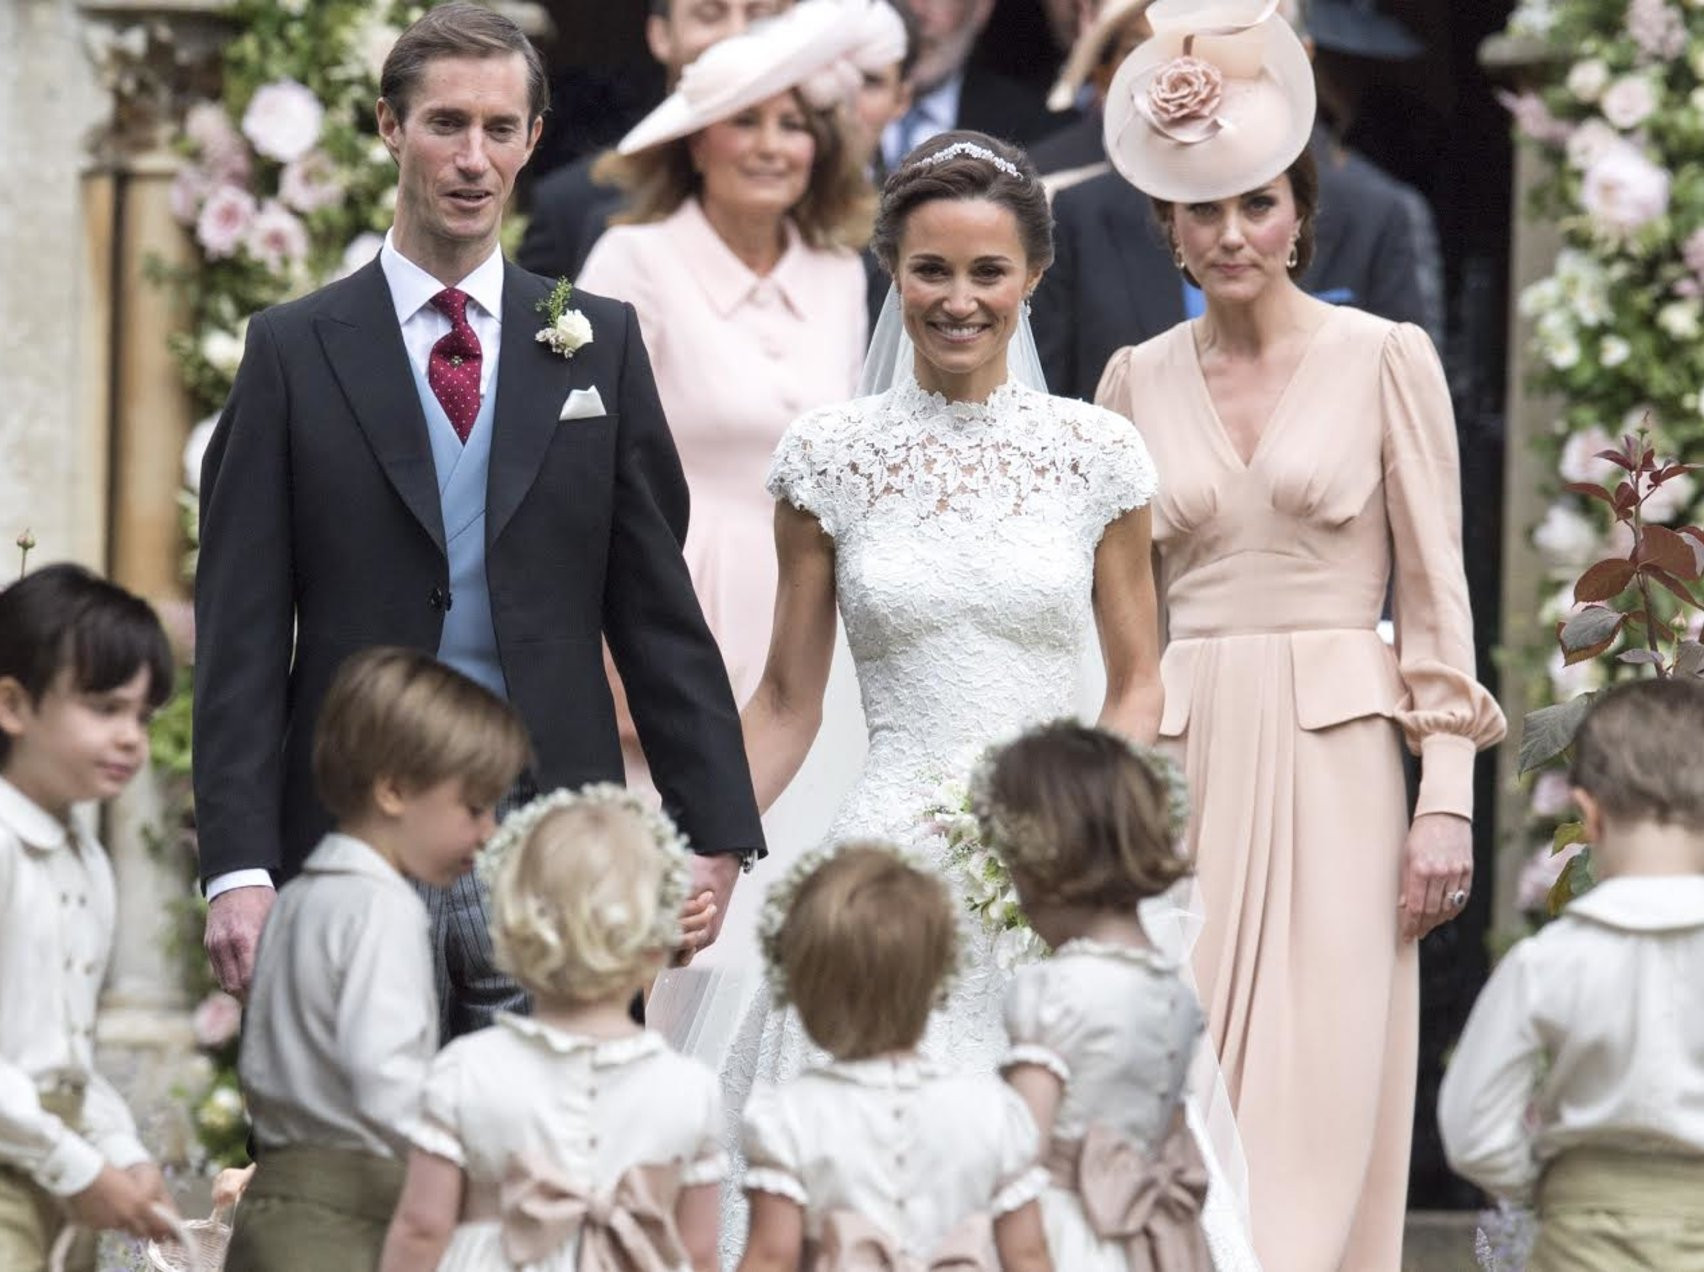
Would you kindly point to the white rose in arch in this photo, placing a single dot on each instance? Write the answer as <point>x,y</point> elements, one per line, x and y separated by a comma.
<point>1590,140</point>
<point>1613,351</point>
<point>1669,500</point>
<point>283,120</point>
<point>1629,102</point>
<point>1680,319</point>
<point>223,351</point>
<point>1624,191</point>
<point>195,450</point>
<point>1588,79</point>
<point>1566,536</point>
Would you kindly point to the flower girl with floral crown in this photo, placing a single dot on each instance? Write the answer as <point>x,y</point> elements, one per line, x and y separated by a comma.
<point>878,1158</point>
<point>1103,1032</point>
<point>572,1139</point>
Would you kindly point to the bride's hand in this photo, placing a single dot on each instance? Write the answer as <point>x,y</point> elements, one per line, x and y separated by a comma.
<point>1437,867</point>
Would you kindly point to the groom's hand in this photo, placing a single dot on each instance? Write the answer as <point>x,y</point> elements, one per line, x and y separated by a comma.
<point>707,904</point>
<point>234,920</point>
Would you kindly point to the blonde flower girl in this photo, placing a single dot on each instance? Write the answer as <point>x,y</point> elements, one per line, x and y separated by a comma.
<point>878,1158</point>
<point>1103,1032</point>
<point>573,1139</point>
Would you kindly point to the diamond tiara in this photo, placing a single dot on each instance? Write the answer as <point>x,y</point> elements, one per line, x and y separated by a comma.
<point>970,150</point>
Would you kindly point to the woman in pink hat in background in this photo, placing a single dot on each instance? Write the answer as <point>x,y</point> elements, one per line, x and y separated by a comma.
<point>1310,461</point>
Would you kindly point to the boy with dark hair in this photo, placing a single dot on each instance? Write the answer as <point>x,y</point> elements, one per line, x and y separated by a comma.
<point>83,664</point>
<point>1579,1081</point>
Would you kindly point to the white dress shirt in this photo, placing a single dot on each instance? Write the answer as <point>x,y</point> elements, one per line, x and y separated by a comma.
<point>342,1017</point>
<point>412,289</point>
<point>56,922</point>
<point>930,115</point>
<point>1589,1034</point>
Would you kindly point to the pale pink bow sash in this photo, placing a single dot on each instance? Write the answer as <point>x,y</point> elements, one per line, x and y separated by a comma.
<point>1149,1202</point>
<point>851,1243</point>
<point>539,1208</point>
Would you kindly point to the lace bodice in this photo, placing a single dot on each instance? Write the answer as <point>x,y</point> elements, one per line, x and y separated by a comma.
<point>964,539</point>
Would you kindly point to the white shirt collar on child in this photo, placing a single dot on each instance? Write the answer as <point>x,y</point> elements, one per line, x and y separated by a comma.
<point>29,821</point>
<point>1644,903</point>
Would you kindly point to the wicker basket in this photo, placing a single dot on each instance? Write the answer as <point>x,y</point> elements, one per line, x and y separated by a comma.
<point>199,1246</point>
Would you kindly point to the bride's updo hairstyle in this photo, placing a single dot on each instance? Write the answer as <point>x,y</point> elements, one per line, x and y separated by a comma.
<point>1081,817</point>
<point>585,903</point>
<point>864,947</point>
<point>965,165</point>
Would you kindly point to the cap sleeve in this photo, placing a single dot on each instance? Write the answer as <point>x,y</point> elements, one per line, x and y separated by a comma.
<point>708,1163</point>
<point>806,471</point>
<point>1031,1027</point>
<point>1448,715</point>
<point>771,1147</point>
<point>438,1128</point>
<point>1022,1177</point>
<point>1120,473</point>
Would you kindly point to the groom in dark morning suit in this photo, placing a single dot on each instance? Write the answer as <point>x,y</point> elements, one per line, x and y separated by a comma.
<point>401,462</point>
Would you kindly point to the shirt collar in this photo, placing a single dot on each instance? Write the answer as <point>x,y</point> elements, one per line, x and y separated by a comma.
<point>605,1052</point>
<point>727,280</point>
<point>1644,903</point>
<point>344,854</point>
<point>411,287</point>
<point>885,1072</point>
<point>29,821</point>
<point>940,105</point>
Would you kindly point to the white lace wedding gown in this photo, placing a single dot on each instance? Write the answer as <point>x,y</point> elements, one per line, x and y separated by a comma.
<point>964,539</point>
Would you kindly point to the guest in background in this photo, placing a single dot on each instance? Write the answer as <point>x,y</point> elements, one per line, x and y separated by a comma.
<point>1312,461</point>
<point>886,93</point>
<point>570,207</point>
<point>1114,282</point>
<point>1580,1075</point>
<point>951,91</point>
<point>1078,151</point>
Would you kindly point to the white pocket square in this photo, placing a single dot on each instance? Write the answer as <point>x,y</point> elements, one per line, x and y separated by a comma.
<point>582,404</point>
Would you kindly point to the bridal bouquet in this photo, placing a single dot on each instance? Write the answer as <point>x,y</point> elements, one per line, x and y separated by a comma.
<point>990,895</point>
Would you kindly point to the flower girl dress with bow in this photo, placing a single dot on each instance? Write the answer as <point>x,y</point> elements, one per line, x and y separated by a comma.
<point>573,1141</point>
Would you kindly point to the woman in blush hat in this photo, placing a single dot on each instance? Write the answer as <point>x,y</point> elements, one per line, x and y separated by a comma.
<point>747,202</point>
<point>1310,454</point>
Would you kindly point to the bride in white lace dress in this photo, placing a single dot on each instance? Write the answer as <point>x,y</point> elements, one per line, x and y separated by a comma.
<point>974,534</point>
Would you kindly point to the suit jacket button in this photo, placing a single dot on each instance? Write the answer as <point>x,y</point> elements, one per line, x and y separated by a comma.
<point>436,598</point>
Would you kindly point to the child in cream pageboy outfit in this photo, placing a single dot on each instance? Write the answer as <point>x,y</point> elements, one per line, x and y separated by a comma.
<point>1579,1081</point>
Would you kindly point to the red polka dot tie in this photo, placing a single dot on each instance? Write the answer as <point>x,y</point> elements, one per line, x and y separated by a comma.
<point>453,370</point>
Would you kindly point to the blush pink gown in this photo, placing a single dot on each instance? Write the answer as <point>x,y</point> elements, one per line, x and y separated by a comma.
<point>1290,712</point>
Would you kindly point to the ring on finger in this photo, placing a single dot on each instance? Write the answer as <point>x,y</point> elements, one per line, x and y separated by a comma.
<point>1458,898</point>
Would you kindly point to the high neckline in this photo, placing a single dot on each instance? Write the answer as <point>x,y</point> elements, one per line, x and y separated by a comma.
<point>1152,958</point>
<point>911,396</point>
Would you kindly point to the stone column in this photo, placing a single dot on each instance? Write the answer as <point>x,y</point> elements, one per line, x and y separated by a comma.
<point>1526,479</point>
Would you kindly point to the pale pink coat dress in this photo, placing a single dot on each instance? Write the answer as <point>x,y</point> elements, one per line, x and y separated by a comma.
<point>1290,713</point>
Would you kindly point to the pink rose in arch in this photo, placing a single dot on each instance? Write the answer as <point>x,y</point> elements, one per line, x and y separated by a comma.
<point>226,215</point>
<point>1185,90</point>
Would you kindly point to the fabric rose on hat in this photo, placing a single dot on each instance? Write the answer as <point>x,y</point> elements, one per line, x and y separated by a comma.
<point>1183,96</point>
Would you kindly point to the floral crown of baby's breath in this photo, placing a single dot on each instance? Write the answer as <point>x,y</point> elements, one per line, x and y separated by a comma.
<point>778,904</point>
<point>970,150</point>
<point>1017,834</point>
<point>676,882</point>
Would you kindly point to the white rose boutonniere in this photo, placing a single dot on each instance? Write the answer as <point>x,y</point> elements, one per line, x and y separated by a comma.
<point>565,330</point>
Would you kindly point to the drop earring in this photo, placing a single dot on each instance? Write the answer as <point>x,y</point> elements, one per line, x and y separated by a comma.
<point>1177,259</point>
<point>1295,256</point>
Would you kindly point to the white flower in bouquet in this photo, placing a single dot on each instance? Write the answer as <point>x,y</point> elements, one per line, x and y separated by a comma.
<point>1552,795</point>
<point>283,120</point>
<point>311,182</point>
<point>223,350</point>
<point>1566,536</point>
<point>1613,351</point>
<point>217,143</point>
<point>195,450</point>
<point>1589,141</point>
<point>226,215</point>
<point>1588,79</point>
<point>1680,319</point>
<point>362,248</point>
<point>1016,946</point>
<point>1670,500</point>
<point>277,239</point>
<point>1624,191</point>
<point>1629,101</point>
<point>1579,459</point>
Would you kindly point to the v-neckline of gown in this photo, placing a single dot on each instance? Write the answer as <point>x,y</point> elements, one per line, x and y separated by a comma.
<point>1273,417</point>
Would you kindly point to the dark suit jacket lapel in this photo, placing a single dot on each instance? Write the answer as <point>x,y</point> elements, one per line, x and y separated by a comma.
<point>363,343</point>
<point>1155,291</point>
<point>532,383</point>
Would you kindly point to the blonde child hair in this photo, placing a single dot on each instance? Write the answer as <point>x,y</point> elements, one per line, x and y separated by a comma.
<point>864,949</point>
<point>586,894</point>
<point>1082,816</point>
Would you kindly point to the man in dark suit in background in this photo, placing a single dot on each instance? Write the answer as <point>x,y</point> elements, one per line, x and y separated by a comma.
<point>1112,282</point>
<point>570,208</point>
<point>401,462</point>
<point>1077,151</point>
<point>950,91</point>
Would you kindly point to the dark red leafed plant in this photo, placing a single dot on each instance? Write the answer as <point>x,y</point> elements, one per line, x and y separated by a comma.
<point>1643,601</point>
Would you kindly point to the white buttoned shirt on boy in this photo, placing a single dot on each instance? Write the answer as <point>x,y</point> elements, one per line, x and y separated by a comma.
<point>56,922</point>
<point>342,1017</point>
<point>1588,1035</point>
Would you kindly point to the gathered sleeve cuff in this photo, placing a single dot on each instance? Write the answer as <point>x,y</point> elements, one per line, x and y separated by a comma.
<point>437,1129</point>
<point>1446,715</point>
<point>709,1164</point>
<point>1041,1023</point>
<point>771,1150</point>
<point>1022,1176</point>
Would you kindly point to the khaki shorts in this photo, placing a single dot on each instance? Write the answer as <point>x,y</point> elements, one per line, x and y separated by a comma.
<point>1605,1211</point>
<point>319,1208</point>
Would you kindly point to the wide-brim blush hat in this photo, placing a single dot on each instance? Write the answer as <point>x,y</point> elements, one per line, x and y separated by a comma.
<point>820,47</point>
<point>1218,101</point>
<point>1090,48</point>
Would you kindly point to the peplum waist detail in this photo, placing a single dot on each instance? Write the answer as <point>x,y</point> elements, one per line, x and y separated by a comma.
<point>1338,674</point>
